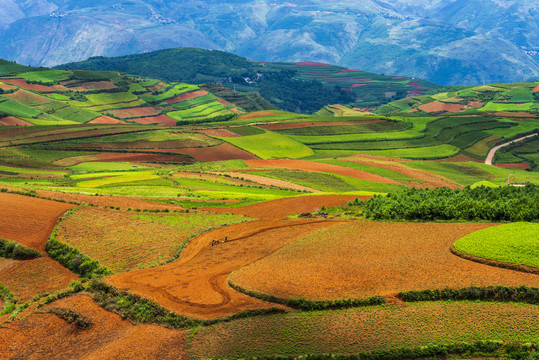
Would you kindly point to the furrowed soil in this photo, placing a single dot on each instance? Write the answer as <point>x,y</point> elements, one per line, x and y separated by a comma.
<point>437,106</point>
<point>196,284</point>
<point>224,151</point>
<point>319,167</point>
<point>27,220</point>
<point>47,336</point>
<point>13,121</point>
<point>105,120</point>
<point>262,180</point>
<point>365,258</point>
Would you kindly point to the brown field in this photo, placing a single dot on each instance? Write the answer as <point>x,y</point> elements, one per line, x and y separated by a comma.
<point>459,158</point>
<point>28,278</point>
<point>535,89</point>
<point>400,167</point>
<point>522,166</point>
<point>219,133</point>
<point>28,220</point>
<point>160,119</point>
<point>314,124</point>
<point>126,241</point>
<point>13,121</point>
<point>135,112</point>
<point>187,96</point>
<point>6,87</point>
<point>35,87</point>
<point>362,259</point>
<point>28,98</point>
<point>196,284</point>
<point>46,336</point>
<point>437,106</point>
<point>105,120</point>
<point>158,86</point>
<point>224,151</point>
<point>319,167</point>
<point>524,115</point>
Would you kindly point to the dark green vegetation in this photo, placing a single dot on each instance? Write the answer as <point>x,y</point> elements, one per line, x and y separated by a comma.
<point>481,203</point>
<point>70,316</point>
<point>293,87</point>
<point>9,300</point>
<point>12,250</point>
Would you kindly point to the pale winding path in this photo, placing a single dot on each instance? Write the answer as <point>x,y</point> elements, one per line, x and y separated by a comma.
<point>492,151</point>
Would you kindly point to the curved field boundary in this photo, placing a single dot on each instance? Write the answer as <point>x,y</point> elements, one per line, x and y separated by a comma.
<point>500,264</point>
<point>224,151</point>
<point>319,167</point>
<point>283,126</point>
<point>271,182</point>
<point>492,151</point>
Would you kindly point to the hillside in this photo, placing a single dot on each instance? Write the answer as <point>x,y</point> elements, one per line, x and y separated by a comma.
<point>444,42</point>
<point>299,87</point>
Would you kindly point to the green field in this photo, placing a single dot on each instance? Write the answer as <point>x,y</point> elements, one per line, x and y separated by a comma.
<point>281,146</point>
<point>516,243</point>
<point>46,76</point>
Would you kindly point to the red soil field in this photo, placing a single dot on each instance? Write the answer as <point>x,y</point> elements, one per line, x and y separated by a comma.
<point>437,106</point>
<point>25,279</point>
<point>365,258</point>
<point>46,336</point>
<point>27,97</point>
<point>13,121</point>
<point>160,119</point>
<point>196,284</point>
<point>522,166</point>
<point>475,104</point>
<point>428,177</point>
<point>135,112</point>
<point>105,120</point>
<point>225,151</point>
<point>219,132</point>
<point>314,124</point>
<point>6,87</point>
<point>319,167</point>
<point>311,64</point>
<point>257,114</point>
<point>358,85</point>
<point>187,96</point>
<point>28,220</point>
<point>271,182</point>
<point>459,158</point>
<point>35,87</point>
<point>158,86</point>
<point>535,89</point>
<point>278,209</point>
<point>224,102</point>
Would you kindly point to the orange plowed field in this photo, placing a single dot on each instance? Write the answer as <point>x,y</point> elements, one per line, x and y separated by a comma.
<point>535,89</point>
<point>35,87</point>
<point>224,151</point>
<point>428,177</point>
<point>28,278</point>
<point>187,96</point>
<point>135,112</point>
<point>319,167</point>
<point>271,182</point>
<point>160,119</point>
<point>196,284</point>
<point>315,124</point>
<point>361,259</point>
<point>13,121</point>
<point>523,166</point>
<point>437,106</point>
<point>219,133</point>
<point>105,120</point>
<point>46,336</point>
<point>28,98</point>
<point>280,208</point>
<point>28,220</point>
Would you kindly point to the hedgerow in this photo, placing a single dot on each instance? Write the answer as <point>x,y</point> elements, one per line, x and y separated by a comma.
<point>12,250</point>
<point>523,294</point>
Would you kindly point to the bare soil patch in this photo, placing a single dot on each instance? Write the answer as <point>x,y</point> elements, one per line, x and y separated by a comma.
<point>361,259</point>
<point>224,151</point>
<point>535,89</point>
<point>459,158</point>
<point>196,284</point>
<point>319,167</point>
<point>29,220</point>
<point>187,96</point>
<point>35,87</point>
<point>437,106</point>
<point>13,121</point>
<point>315,124</point>
<point>262,180</point>
<point>105,120</point>
<point>522,166</point>
<point>46,336</point>
<point>219,132</point>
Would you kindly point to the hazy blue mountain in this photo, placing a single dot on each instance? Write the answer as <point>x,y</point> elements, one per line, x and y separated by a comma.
<point>446,42</point>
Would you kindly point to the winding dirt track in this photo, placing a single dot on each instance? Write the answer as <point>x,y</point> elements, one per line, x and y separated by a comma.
<point>492,151</point>
<point>196,284</point>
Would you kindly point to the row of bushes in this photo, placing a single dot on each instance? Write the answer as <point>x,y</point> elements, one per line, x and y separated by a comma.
<point>482,203</point>
<point>218,118</point>
<point>8,299</point>
<point>12,250</point>
<point>80,321</point>
<point>523,294</point>
<point>310,305</point>
<point>72,258</point>
<point>480,349</point>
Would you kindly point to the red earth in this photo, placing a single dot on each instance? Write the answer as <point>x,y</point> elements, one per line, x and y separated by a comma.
<point>135,112</point>
<point>437,106</point>
<point>225,151</point>
<point>13,121</point>
<point>535,89</point>
<point>35,87</point>
<point>522,166</point>
<point>105,120</point>
<point>187,96</point>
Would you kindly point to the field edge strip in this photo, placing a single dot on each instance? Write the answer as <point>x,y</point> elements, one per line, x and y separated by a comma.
<point>495,263</point>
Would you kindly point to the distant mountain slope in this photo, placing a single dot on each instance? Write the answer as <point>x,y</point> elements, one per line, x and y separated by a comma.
<point>41,96</point>
<point>300,87</point>
<point>445,42</point>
